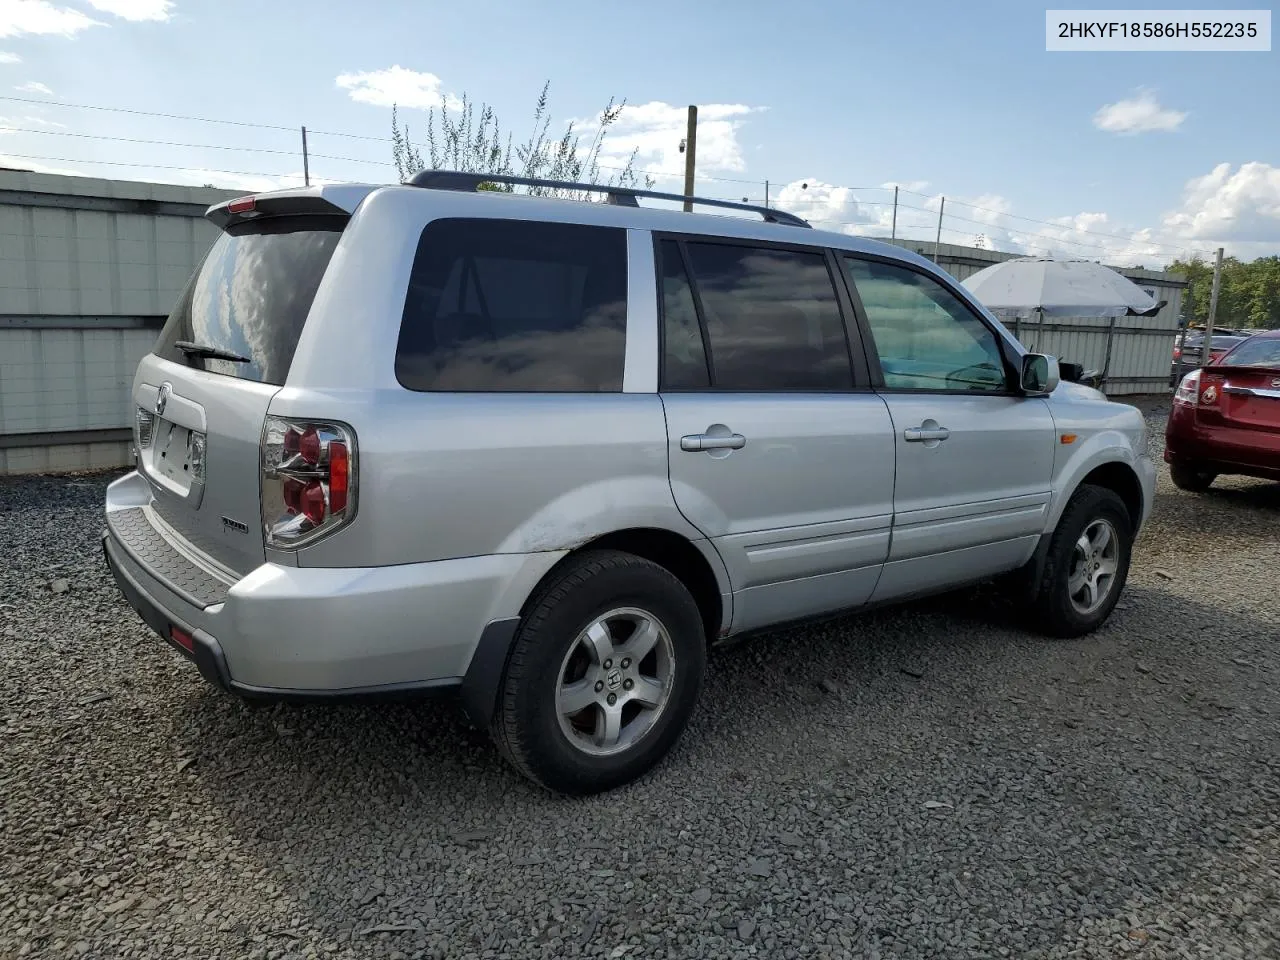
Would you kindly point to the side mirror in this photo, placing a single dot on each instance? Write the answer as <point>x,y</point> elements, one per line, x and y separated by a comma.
<point>1039,374</point>
<point>1071,372</point>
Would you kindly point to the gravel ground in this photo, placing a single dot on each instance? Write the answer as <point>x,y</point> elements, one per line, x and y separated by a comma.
<point>928,781</point>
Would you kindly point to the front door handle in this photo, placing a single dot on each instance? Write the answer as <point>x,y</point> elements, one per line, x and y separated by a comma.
<point>925,434</point>
<point>710,441</point>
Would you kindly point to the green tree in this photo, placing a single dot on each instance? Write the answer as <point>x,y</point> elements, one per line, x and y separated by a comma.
<point>471,141</point>
<point>1248,295</point>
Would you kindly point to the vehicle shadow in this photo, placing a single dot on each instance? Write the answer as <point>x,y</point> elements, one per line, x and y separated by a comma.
<point>1254,494</point>
<point>402,815</point>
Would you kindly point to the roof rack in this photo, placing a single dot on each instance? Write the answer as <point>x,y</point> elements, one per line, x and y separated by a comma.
<point>620,196</point>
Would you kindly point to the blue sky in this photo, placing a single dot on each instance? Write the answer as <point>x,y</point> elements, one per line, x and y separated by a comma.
<point>1129,157</point>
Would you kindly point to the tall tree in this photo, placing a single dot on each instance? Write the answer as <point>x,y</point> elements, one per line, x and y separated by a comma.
<point>1248,295</point>
<point>471,141</point>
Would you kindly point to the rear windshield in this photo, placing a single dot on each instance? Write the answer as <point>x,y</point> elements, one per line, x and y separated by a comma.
<point>251,297</point>
<point>1263,352</point>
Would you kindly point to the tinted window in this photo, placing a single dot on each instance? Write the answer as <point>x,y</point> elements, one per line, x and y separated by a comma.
<point>684,356</point>
<point>509,305</point>
<point>252,294</point>
<point>772,318</point>
<point>926,338</point>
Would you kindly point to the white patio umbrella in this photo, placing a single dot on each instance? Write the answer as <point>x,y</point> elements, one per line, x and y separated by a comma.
<point>1054,287</point>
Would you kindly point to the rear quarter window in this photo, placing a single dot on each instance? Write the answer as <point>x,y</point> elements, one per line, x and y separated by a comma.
<point>515,306</point>
<point>251,296</point>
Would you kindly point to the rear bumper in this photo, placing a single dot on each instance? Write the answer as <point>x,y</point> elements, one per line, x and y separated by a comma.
<point>298,633</point>
<point>207,655</point>
<point>205,651</point>
<point>1221,448</point>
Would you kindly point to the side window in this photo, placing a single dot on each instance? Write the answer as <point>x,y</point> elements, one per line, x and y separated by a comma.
<point>515,305</point>
<point>926,338</point>
<point>684,357</point>
<point>772,318</point>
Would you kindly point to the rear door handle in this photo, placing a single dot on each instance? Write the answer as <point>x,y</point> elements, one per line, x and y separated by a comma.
<point>925,434</point>
<point>707,441</point>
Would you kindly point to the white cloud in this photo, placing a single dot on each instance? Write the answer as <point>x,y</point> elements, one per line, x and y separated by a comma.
<point>249,183</point>
<point>1238,209</point>
<point>34,86</point>
<point>19,17</point>
<point>396,86</point>
<point>654,130</point>
<point>1141,113</point>
<point>135,9</point>
<point>839,209</point>
<point>42,122</point>
<point>6,57</point>
<point>914,186</point>
<point>22,163</point>
<point>987,220</point>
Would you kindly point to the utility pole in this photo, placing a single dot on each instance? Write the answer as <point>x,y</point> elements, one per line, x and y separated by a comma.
<point>690,149</point>
<point>1213,309</point>
<point>893,231</point>
<point>306,162</point>
<point>938,238</point>
<point>766,194</point>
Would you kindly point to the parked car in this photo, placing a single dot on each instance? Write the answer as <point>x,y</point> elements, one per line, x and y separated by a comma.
<point>1188,352</point>
<point>540,454</point>
<point>1226,417</point>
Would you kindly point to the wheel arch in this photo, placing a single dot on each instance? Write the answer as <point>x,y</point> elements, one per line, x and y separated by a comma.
<point>696,564</point>
<point>1115,474</point>
<point>1122,480</point>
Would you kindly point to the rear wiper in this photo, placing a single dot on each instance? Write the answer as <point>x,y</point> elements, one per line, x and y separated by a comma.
<point>193,349</point>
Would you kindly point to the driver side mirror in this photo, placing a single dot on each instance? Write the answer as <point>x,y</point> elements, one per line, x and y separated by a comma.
<point>1039,374</point>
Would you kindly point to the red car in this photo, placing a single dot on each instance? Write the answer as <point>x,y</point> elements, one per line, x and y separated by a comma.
<point>1226,417</point>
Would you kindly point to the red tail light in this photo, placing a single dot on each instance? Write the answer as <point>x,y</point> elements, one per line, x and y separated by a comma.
<point>313,502</point>
<point>242,204</point>
<point>1188,391</point>
<point>182,639</point>
<point>309,446</point>
<point>339,475</point>
<point>308,480</point>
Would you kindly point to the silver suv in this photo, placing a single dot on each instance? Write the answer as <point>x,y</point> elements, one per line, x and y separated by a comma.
<point>542,453</point>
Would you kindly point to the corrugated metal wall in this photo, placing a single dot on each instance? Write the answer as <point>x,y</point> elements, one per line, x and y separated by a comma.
<point>1141,347</point>
<point>88,271</point>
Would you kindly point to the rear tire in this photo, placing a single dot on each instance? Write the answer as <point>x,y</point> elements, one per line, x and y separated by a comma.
<point>1086,565</point>
<point>603,607</point>
<point>1186,476</point>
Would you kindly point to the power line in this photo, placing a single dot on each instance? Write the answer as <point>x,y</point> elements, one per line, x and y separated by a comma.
<point>1047,223</point>
<point>148,113</point>
<point>156,166</point>
<point>272,126</point>
<point>369,138</point>
<point>158,143</point>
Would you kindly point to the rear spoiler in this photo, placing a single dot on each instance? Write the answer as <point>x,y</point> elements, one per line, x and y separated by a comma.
<point>329,200</point>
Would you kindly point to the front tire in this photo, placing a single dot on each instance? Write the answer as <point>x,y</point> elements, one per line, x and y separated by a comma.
<point>1086,565</point>
<point>1189,478</point>
<point>603,676</point>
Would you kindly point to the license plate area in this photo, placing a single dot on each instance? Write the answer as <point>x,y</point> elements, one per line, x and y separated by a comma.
<point>175,457</point>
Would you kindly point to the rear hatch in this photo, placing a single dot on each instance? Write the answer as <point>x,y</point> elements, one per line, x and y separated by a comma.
<point>202,394</point>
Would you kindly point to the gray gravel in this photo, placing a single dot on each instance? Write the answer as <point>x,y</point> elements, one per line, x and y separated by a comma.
<point>929,781</point>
